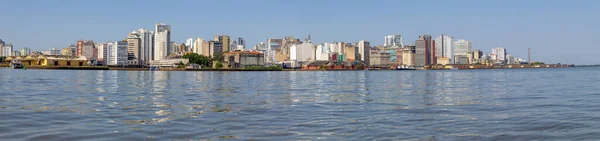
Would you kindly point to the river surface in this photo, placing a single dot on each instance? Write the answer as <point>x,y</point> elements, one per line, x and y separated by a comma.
<point>510,104</point>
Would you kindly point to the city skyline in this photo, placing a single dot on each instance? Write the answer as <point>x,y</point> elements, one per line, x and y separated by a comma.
<point>497,24</point>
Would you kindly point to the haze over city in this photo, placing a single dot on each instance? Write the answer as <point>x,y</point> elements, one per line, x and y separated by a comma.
<point>556,31</point>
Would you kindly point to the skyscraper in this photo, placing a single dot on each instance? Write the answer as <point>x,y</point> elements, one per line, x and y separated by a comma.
<point>500,54</point>
<point>189,43</point>
<point>364,48</point>
<point>241,41</point>
<point>445,47</point>
<point>133,46</point>
<point>162,41</point>
<point>225,41</point>
<point>393,40</point>
<point>462,47</point>
<point>424,51</point>
<point>7,50</point>
<point>198,46</point>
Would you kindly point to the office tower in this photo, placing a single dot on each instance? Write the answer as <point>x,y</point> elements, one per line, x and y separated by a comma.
<point>393,40</point>
<point>445,47</point>
<point>225,42</point>
<point>241,41</point>
<point>462,47</point>
<point>198,46</point>
<point>25,51</point>
<point>146,45</point>
<point>133,46</point>
<point>500,54</point>
<point>424,51</point>
<point>364,51</point>
<point>162,41</point>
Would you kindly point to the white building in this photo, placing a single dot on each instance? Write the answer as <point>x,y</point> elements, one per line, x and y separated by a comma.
<point>302,52</point>
<point>198,45</point>
<point>364,48</point>
<point>102,49</point>
<point>510,59</point>
<point>116,53</point>
<point>162,41</point>
<point>146,45</point>
<point>393,40</point>
<point>189,43</point>
<point>500,54</point>
<point>322,52</point>
<point>444,47</point>
<point>7,50</point>
<point>462,47</point>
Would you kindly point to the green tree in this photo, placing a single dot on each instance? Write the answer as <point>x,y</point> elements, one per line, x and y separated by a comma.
<point>198,59</point>
<point>219,65</point>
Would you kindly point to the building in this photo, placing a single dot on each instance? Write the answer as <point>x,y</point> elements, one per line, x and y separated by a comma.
<point>102,53</point>
<point>116,53</point>
<point>443,60</point>
<point>499,54</point>
<point>146,45</point>
<point>408,55</point>
<point>241,59</point>
<point>424,51</point>
<point>322,52</point>
<point>444,47</point>
<point>461,59</point>
<point>462,47</point>
<point>363,51</point>
<point>379,59</point>
<point>510,59</point>
<point>1,47</point>
<point>16,53</point>
<point>162,41</point>
<point>215,48</point>
<point>86,48</point>
<point>169,63</point>
<point>134,46</point>
<point>225,42</point>
<point>350,52</point>
<point>477,54</point>
<point>48,60</point>
<point>198,46</point>
<point>241,42</point>
<point>302,52</point>
<point>25,51</point>
<point>189,43</point>
<point>66,52</point>
<point>272,46</point>
<point>7,50</point>
<point>393,40</point>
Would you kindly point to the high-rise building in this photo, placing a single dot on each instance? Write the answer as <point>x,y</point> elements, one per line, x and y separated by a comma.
<point>424,51</point>
<point>146,45</point>
<point>16,53</point>
<point>162,41</point>
<point>86,48</point>
<point>462,47</point>
<point>225,42</point>
<point>445,47</point>
<point>272,45</point>
<point>79,51</point>
<point>363,50</point>
<point>189,44</point>
<point>241,41</point>
<point>116,53</point>
<point>215,48</point>
<point>477,54</point>
<point>25,51</point>
<point>134,46</point>
<point>102,53</point>
<point>393,40</point>
<point>1,47</point>
<point>198,46</point>
<point>500,54</point>
<point>7,50</point>
<point>408,55</point>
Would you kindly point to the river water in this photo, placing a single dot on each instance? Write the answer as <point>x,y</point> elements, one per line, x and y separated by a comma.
<point>511,104</point>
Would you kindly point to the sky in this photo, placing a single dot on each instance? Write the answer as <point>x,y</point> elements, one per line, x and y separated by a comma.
<point>557,31</point>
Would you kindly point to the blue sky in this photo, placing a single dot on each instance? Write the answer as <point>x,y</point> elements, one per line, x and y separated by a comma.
<point>557,31</point>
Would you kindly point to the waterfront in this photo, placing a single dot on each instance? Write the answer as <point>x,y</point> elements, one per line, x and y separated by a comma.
<point>498,104</point>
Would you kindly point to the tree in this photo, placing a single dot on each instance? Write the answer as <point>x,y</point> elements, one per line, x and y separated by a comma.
<point>219,65</point>
<point>198,59</point>
<point>2,58</point>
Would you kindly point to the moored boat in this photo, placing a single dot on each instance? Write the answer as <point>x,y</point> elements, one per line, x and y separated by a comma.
<point>16,64</point>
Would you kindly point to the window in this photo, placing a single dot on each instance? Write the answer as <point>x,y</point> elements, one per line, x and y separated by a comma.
<point>80,63</point>
<point>56,63</point>
<point>68,63</point>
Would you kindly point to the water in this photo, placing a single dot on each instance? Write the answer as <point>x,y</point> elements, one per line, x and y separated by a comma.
<point>519,104</point>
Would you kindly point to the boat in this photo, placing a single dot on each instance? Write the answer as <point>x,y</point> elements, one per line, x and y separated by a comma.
<point>153,68</point>
<point>16,64</point>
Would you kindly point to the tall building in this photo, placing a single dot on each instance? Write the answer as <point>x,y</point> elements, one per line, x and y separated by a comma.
<point>302,52</point>
<point>225,42</point>
<point>445,47</point>
<point>25,51</point>
<point>477,54</point>
<point>425,51</point>
<point>79,51</point>
<point>272,45</point>
<point>133,46</point>
<point>1,47</point>
<point>116,53</point>
<point>102,50</point>
<point>241,41</point>
<point>215,48</point>
<point>162,41</point>
<point>393,40</point>
<point>462,47</point>
<point>86,48</point>
<point>146,45</point>
<point>408,55</point>
<point>363,51</point>
<point>189,44</point>
<point>7,50</point>
<point>500,54</point>
<point>198,46</point>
